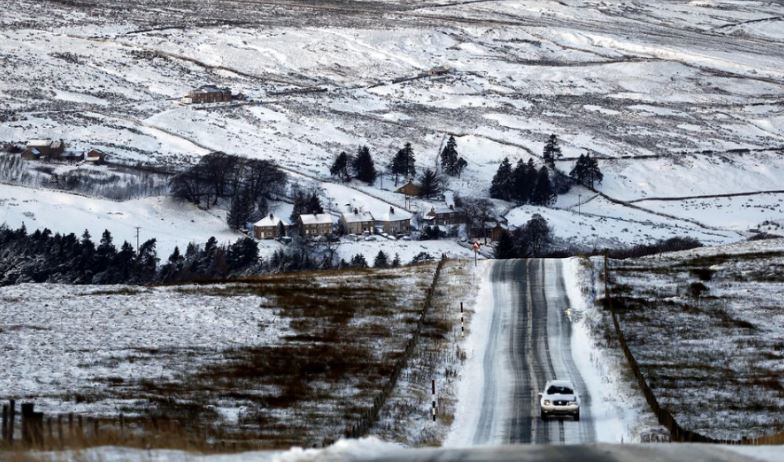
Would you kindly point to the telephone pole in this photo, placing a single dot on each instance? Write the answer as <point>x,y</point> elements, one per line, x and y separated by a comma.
<point>137,239</point>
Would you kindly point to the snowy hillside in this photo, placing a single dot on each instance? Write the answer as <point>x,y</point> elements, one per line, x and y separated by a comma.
<point>677,99</point>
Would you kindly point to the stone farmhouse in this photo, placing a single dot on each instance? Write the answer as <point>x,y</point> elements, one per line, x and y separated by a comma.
<point>394,221</point>
<point>357,222</point>
<point>208,94</point>
<point>43,149</point>
<point>270,227</point>
<point>312,225</point>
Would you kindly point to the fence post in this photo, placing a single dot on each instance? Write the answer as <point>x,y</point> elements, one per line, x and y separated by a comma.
<point>27,420</point>
<point>11,418</point>
<point>60,438</point>
<point>4,429</point>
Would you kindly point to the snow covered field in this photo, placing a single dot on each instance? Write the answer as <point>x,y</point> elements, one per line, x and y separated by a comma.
<point>705,326</point>
<point>275,362</point>
<point>686,85</point>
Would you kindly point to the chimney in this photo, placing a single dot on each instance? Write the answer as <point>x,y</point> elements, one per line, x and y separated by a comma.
<point>391,210</point>
<point>356,212</point>
<point>271,216</point>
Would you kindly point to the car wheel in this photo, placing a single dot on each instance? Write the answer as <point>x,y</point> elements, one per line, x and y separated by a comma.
<point>542,415</point>
<point>577,415</point>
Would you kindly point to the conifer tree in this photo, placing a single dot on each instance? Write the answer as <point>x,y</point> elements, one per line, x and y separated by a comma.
<point>522,182</point>
<point>552,151</point>
<point>586,171</point>
<point>105,253</point>
<point>358,261</point>
<point>364,169</point>
<point>543,193</point>
<point>403,163</point>
<point>501,188</point>
<point>340,167</point>
<point>430,184</point>
<point>449,156</point>
<point>381,261</point>
<point>396,261</point>
<point>505,247</point>
<point>240,210</point>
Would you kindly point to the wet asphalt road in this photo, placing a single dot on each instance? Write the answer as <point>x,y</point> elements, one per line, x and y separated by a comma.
<point>529,344</point>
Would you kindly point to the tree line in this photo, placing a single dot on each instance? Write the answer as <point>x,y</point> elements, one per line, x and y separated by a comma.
<point>532,240</point>
<point>361,166</point>
<point>247,183</point>
<point>525,184</point>
<point>43,256</point>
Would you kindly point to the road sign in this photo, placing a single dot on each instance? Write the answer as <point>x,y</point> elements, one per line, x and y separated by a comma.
<point>476,246</point>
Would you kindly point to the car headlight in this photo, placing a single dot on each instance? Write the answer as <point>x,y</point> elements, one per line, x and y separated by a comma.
<point>547,402</point>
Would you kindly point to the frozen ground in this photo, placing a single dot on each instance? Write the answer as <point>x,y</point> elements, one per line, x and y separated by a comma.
<point>705,326</point>
<point>677,99</point>
<point>277,362</point>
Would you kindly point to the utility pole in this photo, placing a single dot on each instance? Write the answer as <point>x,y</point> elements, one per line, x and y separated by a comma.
<point>579,204</point>
<point>137,239</point>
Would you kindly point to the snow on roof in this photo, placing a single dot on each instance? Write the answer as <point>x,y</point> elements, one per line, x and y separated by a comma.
<point>211,89</point>
<point>316,219</point>
<point>271,220</point>
<point>39,143</point>
<point>357,217</point>
<point>394,214</point>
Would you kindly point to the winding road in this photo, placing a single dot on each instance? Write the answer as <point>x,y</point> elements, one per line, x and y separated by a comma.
<point>529,344</point>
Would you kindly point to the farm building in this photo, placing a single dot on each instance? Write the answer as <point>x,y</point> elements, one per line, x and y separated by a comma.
<point>395,222</point>
<point>443,215</point>
<point>208,94</point>
<point>95,156</point>
<point>357,222</point>
<point>49,149</point>
<point>270,227</point>
<point>312,225</point>
<point>409,189</point>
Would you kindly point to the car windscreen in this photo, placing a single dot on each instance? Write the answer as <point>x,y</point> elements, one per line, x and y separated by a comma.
<point>559,390</point>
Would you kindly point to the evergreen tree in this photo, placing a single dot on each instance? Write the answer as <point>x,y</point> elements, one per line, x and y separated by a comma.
<point>363,166</point>
<point>240,210</point>
<point>430,184</point>
<point>403,163</point>
<point>305,203</point>
<point>358,261</point>
<point>551,151</point>
<point>501,186</point>
<point>105,253</point>
<point>543,193</point>
<point>505,247</point>
<point>87,253</point>
<point>314,203</point>
<point>146,260</point>
<point>396,261</point>
<point>523,181</point>
<point>243,253</point>
<point>449,156</point>
<point>586,171</point>
<point>340,167</point>
<point>381,261</point>
<point>123,262</point>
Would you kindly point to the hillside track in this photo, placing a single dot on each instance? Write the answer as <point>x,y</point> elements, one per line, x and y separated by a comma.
<point>529,344</point>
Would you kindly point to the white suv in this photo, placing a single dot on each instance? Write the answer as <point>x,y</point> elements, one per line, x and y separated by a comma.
<point>559,398</point>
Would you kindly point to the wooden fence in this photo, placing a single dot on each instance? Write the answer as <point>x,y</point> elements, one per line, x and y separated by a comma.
<point>666,419</point>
